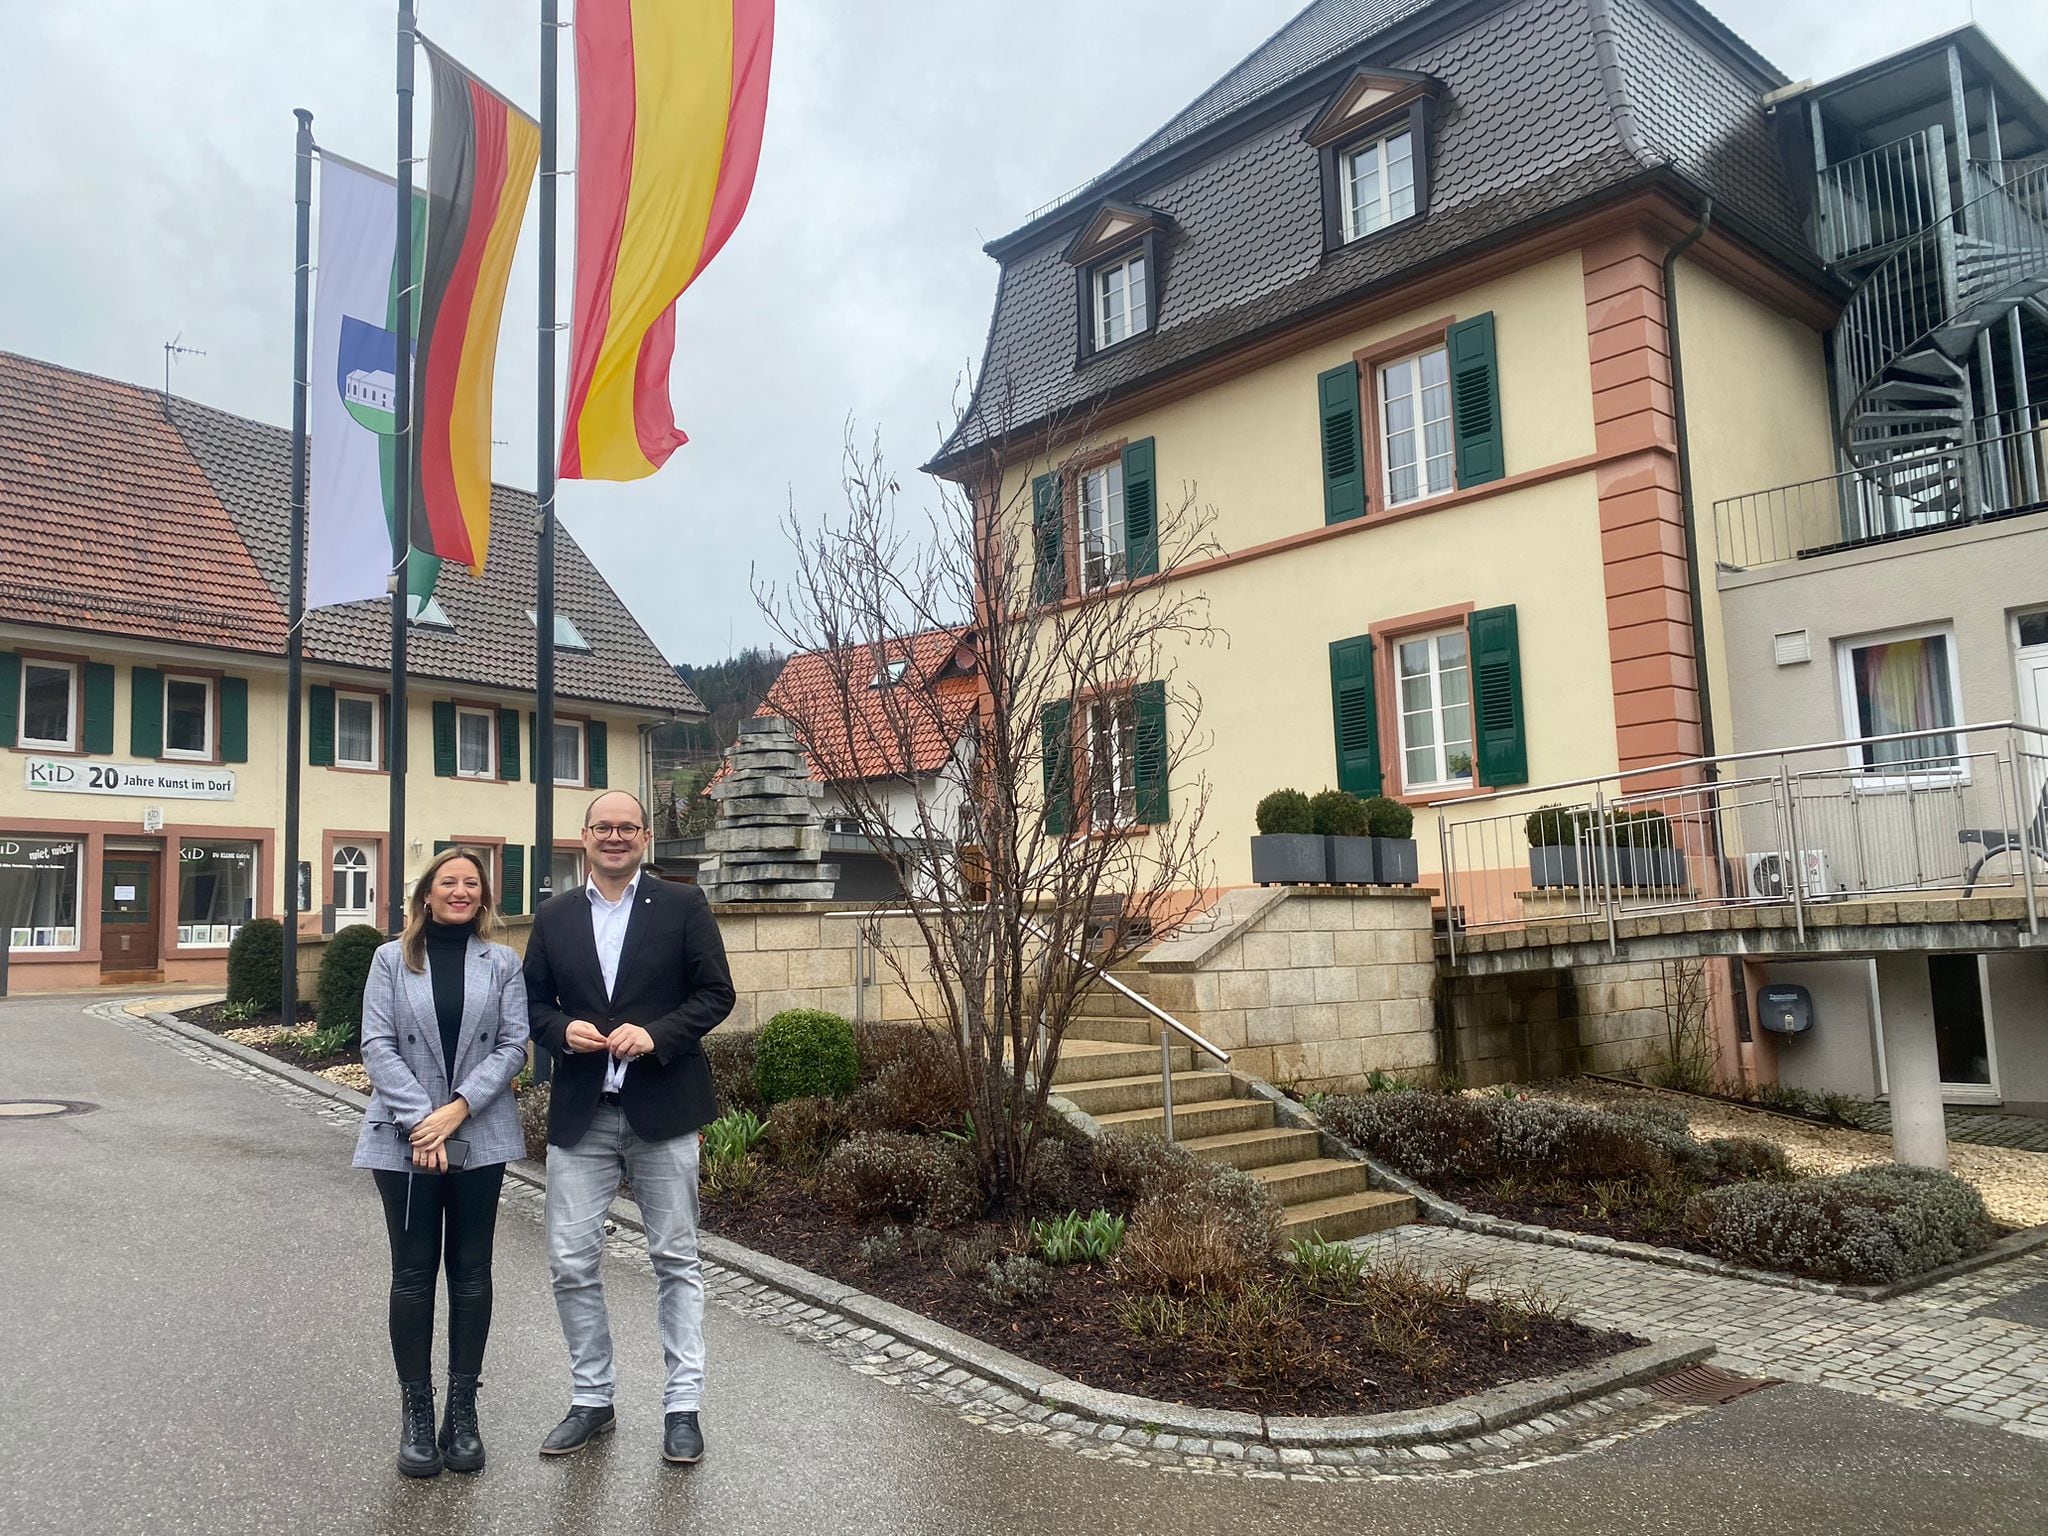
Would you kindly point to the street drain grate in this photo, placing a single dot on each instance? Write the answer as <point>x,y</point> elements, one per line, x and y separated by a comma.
<point>41,1109</point>
<point>1707,1386</point>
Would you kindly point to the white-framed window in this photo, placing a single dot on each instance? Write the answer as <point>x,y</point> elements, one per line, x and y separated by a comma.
<point>188,717</point>
<point>1112,763</point>
<point>567,869</point>
<point>356,729</point>
<point>39,886</point>
<point>476,754</point>
<point>890,673</point>
<point>569,752</point>
<point>567,636</point>
<point>1434,676</point>
<point>49,705</point>
<point>216,891</point>
<point>1415,426</point>
<point>1123,304</point>
<point>355,880</point>
<point>1102,527</point>
<point>427,615</point>
<point>1376,184</point>
<point>1904,680</point>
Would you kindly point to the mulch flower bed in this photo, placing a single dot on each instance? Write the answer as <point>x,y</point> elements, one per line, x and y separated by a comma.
<point>262,1033</point>
<point>1332,1366</point>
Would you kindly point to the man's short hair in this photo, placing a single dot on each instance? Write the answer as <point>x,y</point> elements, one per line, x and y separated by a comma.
<point>588,809</point>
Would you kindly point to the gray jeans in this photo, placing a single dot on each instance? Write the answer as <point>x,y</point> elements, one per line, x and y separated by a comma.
<point>581,1183</point>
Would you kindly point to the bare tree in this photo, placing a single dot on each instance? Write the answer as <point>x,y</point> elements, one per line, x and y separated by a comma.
<point>1066,790</point>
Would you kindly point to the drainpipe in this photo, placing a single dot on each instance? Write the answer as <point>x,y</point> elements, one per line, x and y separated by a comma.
<point>1692,545</point>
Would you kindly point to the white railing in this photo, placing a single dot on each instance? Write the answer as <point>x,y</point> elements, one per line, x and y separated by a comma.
<point>1880,197</point>
<point>1957,811</point>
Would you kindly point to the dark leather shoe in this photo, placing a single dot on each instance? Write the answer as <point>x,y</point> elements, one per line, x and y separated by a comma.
<point>582,1426</point>
<point>681,1441</point>
<point>462,1441</point>
<point>418,1455</point>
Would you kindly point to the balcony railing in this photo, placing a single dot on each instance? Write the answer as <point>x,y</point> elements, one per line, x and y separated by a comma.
<point>1881,196</point>
<point>1914,493</point>
<point>1961,810</point>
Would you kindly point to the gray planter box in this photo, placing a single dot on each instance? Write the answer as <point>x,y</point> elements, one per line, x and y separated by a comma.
<point>1394,860</point>
<point>1290,858</point>
<point>1351,861</point>
<point>1663,868</point>
<point>1559,867</point>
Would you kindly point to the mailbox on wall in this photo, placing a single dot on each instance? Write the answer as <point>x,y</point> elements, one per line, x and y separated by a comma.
<point>1784,1010</point>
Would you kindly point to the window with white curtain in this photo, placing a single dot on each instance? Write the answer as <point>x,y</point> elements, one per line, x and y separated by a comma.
<point>1898,683</point>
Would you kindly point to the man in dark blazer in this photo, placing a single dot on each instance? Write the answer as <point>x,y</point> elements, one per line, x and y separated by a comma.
<point>625,975</point>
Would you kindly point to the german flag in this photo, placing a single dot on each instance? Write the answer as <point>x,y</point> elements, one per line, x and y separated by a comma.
<point>478,175</point>
<point>671,96</point>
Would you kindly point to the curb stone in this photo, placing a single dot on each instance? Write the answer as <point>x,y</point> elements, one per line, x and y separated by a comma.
<point>1462,1418</point>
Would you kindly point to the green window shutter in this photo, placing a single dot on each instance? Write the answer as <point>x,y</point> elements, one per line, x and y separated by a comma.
<point>508,744</point>
<point>1500,751</point>
<point>441,848</point>
<point>444,739</point>
<point>10,698</point>
<point>596,755</point>
<point>1343,453</point>
<point>234,719</point>
<point>1056,746</point>
<point>320,726</point>
<point>1049,559</point>
<point>99,707</point>
<point>1148,718</point>
<point>1475,400</point>
<point>146,712</point>
<point>512,874</point>
<point>1354,711</point>
<point>1141,511</point>
<point>384,731</point>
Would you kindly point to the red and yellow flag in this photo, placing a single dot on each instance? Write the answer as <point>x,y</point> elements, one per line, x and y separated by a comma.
<point>478,176</point>
<point>671,96</point>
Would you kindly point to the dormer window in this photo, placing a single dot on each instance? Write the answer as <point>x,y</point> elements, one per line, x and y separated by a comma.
<point>1117,260</point>
<point>1122,303</point>
<point>889,674</point>
<point>1374,140</point>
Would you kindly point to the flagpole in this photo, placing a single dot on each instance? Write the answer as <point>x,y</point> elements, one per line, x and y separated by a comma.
<point>544,484</point>
<point>302,196</point>
<point>401,489</point>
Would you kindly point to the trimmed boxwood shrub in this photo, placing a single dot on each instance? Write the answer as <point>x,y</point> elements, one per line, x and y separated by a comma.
<point>1869,1227</point>
<point>344,972</point>
<point>1387,817</point>
<point>805,1053</point>
<point>1285,810</point>
<point>256,964</point>
<point>1337,813</point>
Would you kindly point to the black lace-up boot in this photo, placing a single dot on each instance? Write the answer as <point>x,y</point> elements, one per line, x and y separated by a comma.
<point>418,1455</point>
<point>462,1442</point>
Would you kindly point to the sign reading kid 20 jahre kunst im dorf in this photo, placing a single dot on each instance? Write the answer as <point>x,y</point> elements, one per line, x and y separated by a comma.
<point>174,781</point>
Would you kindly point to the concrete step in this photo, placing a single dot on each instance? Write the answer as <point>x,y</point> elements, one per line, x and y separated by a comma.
<point>1345,1216</point>
<point>1252,1150</point>
<point>1106,1000</point>
<point>1312,1179</point>
<point>1120,1028</point>
<point>1088,1061</point>
<point>1112,1094</point>
<point>1217,1117</point>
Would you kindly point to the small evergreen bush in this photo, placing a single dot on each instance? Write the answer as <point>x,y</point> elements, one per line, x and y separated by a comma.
<point>533,1121</point>
<point>1387,817</point>
<point>256,964</point>
<point>905,1178</point>
<point>1016,1279</point>
<point>910,1095</point>
<point>1284,810</point>
<point>805,1053</point>
<point>730,1053</point>
<point>800,1132</point>
<point>1337,813</point>
<point>344,973</point>
<point>1869,1227</point>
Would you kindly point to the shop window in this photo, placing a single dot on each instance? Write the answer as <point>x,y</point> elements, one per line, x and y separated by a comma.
<point>39,885</point>
<point>216,891</point>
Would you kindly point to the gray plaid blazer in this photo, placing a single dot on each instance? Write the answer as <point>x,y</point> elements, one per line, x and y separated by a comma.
<point>408,1078</point>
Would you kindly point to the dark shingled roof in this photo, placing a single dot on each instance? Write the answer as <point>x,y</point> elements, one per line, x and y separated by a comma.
<point>180,516</point>
<point>1546,105</point>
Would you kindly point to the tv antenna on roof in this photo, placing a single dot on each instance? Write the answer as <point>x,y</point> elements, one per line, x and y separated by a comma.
<point>172,349</point>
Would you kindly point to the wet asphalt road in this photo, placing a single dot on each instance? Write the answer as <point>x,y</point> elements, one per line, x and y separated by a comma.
<point>192,1340</point>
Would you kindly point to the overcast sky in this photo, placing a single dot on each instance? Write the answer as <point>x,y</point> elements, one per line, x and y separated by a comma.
<point>146,191</point>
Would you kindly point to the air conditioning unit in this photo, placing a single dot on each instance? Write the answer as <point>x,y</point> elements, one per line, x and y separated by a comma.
<point>1770,875</point>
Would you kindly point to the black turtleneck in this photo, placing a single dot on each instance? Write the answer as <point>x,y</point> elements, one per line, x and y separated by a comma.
<point>447,958</point>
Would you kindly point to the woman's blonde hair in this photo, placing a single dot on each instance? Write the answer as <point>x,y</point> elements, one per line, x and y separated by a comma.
<point>413,942</point>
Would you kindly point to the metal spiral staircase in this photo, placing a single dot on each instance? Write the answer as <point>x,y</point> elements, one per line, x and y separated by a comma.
<point>1941,264</point>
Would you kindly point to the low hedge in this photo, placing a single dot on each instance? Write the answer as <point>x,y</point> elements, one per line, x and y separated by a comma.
<point>1869,1227</point>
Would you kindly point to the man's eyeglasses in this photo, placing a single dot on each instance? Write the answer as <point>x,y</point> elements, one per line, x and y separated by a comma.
<point>615,828</point>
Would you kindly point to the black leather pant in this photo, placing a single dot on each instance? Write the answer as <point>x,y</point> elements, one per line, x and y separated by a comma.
<point>450,1215</point>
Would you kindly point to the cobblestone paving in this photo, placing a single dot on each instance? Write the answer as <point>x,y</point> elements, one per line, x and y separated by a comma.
<point>1984,1128</point>
<point>1580,1430</point>
<point>1930,1349</point>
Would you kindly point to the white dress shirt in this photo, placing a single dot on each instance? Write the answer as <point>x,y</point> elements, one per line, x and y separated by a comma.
<point>608,920</point>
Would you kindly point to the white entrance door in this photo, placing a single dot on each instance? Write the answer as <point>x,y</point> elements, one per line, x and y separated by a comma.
<point>355,883</point>
<point>2030,655</point>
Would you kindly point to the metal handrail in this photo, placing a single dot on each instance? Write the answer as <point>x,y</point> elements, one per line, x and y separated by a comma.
<point>1884,195</point>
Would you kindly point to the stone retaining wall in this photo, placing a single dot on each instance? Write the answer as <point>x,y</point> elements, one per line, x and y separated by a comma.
<point>1529,1026</point>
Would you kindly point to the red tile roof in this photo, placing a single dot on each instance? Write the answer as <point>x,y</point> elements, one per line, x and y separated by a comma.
<point>873,744</point>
